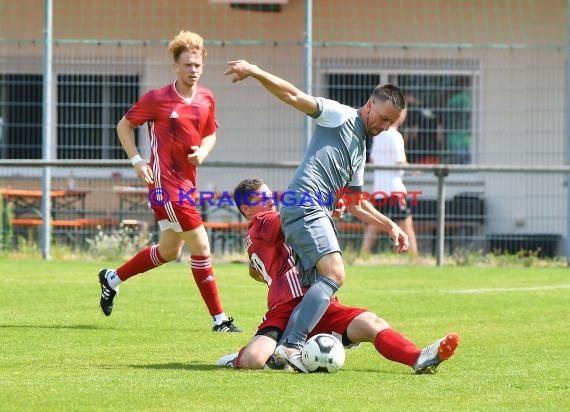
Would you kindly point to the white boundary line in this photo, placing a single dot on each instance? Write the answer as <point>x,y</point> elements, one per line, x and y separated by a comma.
<point>493,290</point>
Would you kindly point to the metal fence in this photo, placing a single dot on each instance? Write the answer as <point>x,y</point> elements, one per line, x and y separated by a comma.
<point>109,198</point>
<point>486,86</point>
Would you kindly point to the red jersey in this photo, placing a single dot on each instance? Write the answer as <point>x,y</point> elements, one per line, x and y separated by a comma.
<point>174,125</point>
<point>272,257</point>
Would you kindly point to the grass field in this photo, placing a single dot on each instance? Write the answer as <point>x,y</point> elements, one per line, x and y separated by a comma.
<point>156,352</point>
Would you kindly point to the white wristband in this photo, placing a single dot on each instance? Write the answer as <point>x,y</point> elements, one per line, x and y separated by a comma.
<point>136,159</point>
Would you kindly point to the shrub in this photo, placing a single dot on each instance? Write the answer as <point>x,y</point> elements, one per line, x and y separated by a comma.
<point>120,244</point>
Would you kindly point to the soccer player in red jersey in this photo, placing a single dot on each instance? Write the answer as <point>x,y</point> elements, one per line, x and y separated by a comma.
<point>182,128</point>
<point>271,261</point>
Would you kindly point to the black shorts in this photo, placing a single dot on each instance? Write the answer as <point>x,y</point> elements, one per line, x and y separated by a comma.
<point>396,208</point>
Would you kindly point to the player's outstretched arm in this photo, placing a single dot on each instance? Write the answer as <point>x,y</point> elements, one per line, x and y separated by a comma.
<point>280,88</point>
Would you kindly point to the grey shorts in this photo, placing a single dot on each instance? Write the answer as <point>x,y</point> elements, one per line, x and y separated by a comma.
<point>311,234</point>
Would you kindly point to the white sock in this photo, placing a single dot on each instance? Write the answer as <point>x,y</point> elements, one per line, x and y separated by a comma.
<point>220,318</point>
<point>113,279</point>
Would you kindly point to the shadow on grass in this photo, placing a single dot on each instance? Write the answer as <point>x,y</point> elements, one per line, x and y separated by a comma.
<point>206,367</point>
<point>178,366</point>
<point>388,372</point>
<point>52,326</point>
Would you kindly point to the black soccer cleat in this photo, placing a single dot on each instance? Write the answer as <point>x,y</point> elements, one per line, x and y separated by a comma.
<point>226,326</point>
<point>108,294</point>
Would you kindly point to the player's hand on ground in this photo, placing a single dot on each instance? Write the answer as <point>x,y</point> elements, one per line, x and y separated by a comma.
<point>144,172</point>
<point>197,156</point>
<point>240,69</point>
<point>255,274</point>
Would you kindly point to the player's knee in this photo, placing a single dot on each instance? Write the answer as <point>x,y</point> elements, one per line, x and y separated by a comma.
<point>199,248</point>
<point>170,254</point>
<point>250,360</point>
<point>373,321</point>
<point>365,327</point>
<point>380,323</point>
<point>339,278</point>
<point>332,267</point>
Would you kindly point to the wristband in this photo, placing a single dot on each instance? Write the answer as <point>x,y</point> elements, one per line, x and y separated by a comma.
<point>136,159</point>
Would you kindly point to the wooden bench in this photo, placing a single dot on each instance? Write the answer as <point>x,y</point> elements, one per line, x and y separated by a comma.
<point>419,227</point>
<point>73,231</point>
<point>228,234</point>
<point>454,229</point>
<point>239,226</point>
<point>79,223</point>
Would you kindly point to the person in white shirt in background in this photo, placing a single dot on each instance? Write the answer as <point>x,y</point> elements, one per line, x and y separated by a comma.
<point>388,149</point>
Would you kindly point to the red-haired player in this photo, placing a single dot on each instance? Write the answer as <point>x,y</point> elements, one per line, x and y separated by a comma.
<point>182,129</point>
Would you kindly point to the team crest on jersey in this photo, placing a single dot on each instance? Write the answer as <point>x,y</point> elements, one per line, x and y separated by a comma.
<point>174,115</point>
<point>247,242</point>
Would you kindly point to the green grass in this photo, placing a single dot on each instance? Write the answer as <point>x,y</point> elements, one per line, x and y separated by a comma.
<point>156,352</point>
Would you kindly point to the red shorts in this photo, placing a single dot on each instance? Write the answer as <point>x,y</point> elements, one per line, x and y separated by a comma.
<point>335,320</point>
<point>182,214</point>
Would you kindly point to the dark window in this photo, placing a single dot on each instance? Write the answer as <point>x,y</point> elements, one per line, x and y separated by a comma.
<point>263,7</point>
<point>438,128</point>
<point>21,116</point>
<point>89,107</point>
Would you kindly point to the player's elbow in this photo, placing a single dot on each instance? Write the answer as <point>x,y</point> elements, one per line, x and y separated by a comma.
<point>124,124</point>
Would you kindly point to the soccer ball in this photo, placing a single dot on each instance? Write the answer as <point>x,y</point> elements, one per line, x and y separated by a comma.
<point>323,353</point>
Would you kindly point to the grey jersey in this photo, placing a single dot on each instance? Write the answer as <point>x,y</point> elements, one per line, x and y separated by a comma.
<point>336,154</point>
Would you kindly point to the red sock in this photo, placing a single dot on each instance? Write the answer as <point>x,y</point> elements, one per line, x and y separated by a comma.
<point>396,347</point>
<point>206,282</point>
<point>146,259</point>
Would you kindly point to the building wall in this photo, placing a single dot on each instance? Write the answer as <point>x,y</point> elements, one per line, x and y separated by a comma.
<point>518,49</point>
<point>433,22</point>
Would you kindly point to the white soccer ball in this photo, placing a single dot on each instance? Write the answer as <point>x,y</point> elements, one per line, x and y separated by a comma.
<point>323,353</point>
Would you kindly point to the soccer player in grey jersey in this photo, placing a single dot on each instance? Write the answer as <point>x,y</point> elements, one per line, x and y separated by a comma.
<point>334,161</point>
